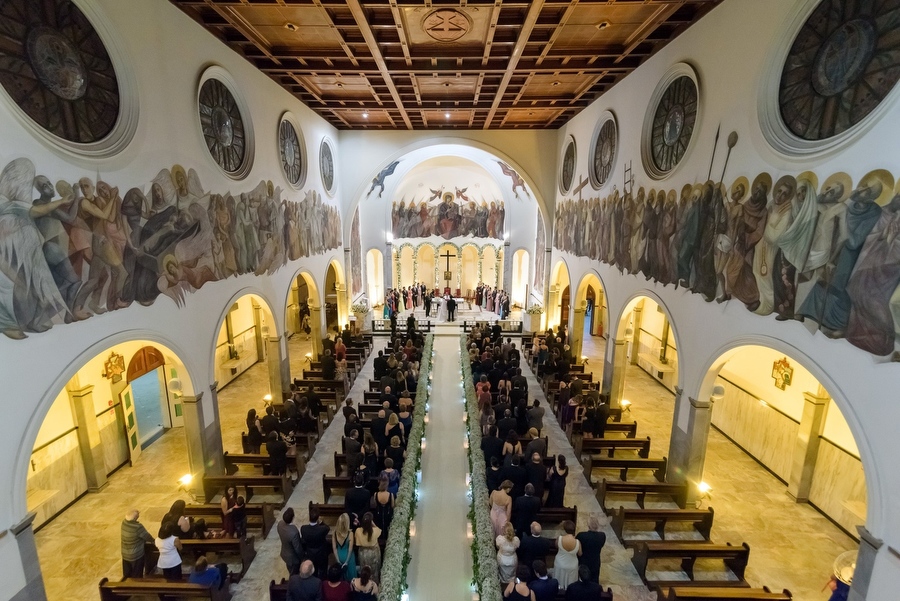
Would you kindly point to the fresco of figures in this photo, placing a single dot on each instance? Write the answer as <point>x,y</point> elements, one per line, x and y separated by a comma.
<point>71,250</point>
<point>826,254</point>
<point>449,215</point>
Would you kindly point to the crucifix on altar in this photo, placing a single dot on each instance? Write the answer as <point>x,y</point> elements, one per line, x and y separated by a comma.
<point>448,275</point>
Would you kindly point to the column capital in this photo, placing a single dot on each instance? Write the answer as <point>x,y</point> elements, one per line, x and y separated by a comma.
<point>811,397</point>
<point>868,538</point>
<point>275,338</point>
<point>578,310</point>
<point>214,387</point>
<point>638,309</point>
<point>700,404</point>
<point>26,522</point>
<point>192,400</point>
<point>82,390</point>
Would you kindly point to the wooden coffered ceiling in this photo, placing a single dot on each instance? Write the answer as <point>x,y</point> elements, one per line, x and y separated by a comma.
<point>468,64</point>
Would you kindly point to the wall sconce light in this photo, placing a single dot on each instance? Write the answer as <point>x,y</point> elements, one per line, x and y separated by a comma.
<point>626,405</point>
<point>183,484</point>
<point>705,494</point>
<point>308,358</point>
<point>267,399</point>
<point>584,360</point>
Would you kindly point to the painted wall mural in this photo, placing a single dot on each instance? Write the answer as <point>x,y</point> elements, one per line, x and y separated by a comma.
<point>72,250</point>
<point>449,215</point>
<point>829,254</point>
<point>355,256</point>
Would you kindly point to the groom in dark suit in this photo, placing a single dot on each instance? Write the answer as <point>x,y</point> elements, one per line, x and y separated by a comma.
<point>451,309</point>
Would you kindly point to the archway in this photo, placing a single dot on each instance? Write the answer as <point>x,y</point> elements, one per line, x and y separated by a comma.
<point>425,265</point>
<point>247,365</point>
<point>589,322</point>
<point>490,266</point>
<point>558,298</point>
<point>375,277</point>
<point>776,423</point>
<point>469,277</point>
<point>449,278</point>
<point>87,463</point>
<point>520,278</point>
<point>335,298</point>
<point>404,266</point>
<point>304,309</point>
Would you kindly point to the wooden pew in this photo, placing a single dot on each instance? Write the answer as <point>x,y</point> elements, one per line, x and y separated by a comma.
<point>735,558</point>
<point>259,515</point>
<point>611,445</point>
<point>715,593</point>
<point>234,460</point>
<point>329,512</point>
<point>331,484</point>
<point>702,520</point>
<point>157,587</point>
<point>214,485</point>
<point>623,464</point>
<point>192,548</point>
<point>629,429</point>
<point>678,492</point>
<point>555,515</point>
<point>337,386</point>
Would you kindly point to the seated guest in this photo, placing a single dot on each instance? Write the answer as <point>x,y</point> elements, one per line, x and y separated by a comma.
<point>533,547</point>
<point>334,588</point>
<point>305,586</point>
<point>543,586</point>
<point>584,589</point>
<point>216,577</point>
<point>525,510</point>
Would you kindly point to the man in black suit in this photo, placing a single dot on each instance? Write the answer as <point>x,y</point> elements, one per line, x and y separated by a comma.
<point>393,324</point>
<point>525,510</point>
<point>387,381</point>
<point>305,586</point>
<point>451,309</point>
<point>533,547</point>
<point>500,410</point>
<point>507,423</point>
<point>313,402</point>
<point>602,417</point>
<point>380,365</point>
<point>514,355</point>
<point>291,547</point>
<point>357,499</point>
<point>388,397</point>
<point>536,475</point>
<point>491,446</point>
<point>410,325</point>
<point>496,332</point>
<point>315,543</point>
<point>536,416</point>
<point>428,305</point>
<point>584,588</point>
<point>516,474</point>
<point>377,429</point>
<point>592,542</point>
<point>519,382</point>
<point>328,366</point>
<point>269,422</point>
<point>346,335</point>
<point>543,586</point>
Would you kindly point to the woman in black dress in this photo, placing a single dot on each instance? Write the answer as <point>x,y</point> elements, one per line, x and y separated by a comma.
<point>254,434</point>
<point>396,453</point>
<point>383,507</point>
<point>556,483</point>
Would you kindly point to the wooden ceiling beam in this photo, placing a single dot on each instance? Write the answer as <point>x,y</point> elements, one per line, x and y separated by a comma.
<point>243,26</point>
<point>557,30</point>
<point>652,22</point>
<point>534,11</point>
<point>360,16</point>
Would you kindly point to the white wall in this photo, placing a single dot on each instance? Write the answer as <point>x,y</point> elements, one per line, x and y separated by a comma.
<point>730,50</point>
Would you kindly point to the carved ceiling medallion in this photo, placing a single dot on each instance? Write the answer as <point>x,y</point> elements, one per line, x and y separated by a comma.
<point>446,24</point>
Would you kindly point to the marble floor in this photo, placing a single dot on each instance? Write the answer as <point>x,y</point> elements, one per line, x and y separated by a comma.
<point>792,545</point>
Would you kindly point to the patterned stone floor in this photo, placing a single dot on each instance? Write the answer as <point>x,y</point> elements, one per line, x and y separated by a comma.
<point>792,546</point>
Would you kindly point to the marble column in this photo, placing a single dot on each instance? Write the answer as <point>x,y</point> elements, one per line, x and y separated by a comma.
<point>577,331</point>
<point>636,338</point>
<point>257,323</point>
<point>507,268</point>
<point>195,434</point>
<point>597,315</point>
<point>213,448</point>
<point>273,360</point>
<point>687,447</point>
<point>342,305</point>
<point>315,324</point>
<point>806,446</point>
<point>553,307</point>
<point>865,562</point>
<point>616,370</point>
<point>387,270</point>
<point>34,582</point>
<point>89,442</point>
<point>548,257</point>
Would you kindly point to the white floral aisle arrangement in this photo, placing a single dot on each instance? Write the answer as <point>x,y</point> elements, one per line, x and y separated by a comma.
<point>484,554</point>
<point>396,552</point>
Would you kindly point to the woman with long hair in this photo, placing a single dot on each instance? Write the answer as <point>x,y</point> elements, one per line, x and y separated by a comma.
<point>383,507</point>
<point>254,432</point>
<point>342,547</point>
<point>507,543</point>
<point>229,502</point>
<point>368,551</point>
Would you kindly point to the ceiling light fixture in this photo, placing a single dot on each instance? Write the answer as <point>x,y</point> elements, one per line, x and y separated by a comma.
<point>291,26</point>
<point>555,83</point>
<point>365,114</point>
<point>602,25</point>
<point>447,115</point>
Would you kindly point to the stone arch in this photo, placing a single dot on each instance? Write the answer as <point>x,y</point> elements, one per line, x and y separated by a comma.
<point>273,331</point>
<point>518,293</point>
<point>591,279</point>
<point>340,289</point>
<point>426,272</point>
<point>560,280</point>
<point>374,276</point>
<point>314,301</point>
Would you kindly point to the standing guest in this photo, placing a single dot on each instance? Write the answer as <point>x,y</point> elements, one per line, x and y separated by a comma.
<point>584,589</point>
<point>501,507</point>
<point>507,543</point>
<point>525,510</point>
<point>601,417</point>
<point>239,516</point>
<point>536,416</point>
<point>536,444</point>
<point>518,589</point>
<point>329,366</point>
<point>592,542</point>
<point>169,545</point>
<point>512,446</point>
<point>254,433</point>
<point>229,501</point>
<point>391,476</point>
<point>557,483</point>
<point>368,551</point>
<point>543,586</point>
<point>134,536</point>
<point>494,475</point>
<point>213,578</point>
<point>377,430</point>
<point>491,446</point>
<point>380,364</point>
<point>515,473</point>
<point>533,547</point>
<point>335,587</point>
<point>342,547</point>
<point>364,587</point>
<point>340,364</point>
<point>565,566</point>
<point>357,499</point>
<point>269,422</point>
<point>315,541</point>
<point>305,586</point>
<point>348,409</point>
<point>383,507</point>
<point>291,545</point>
<point>536,475</point>
<point>277,450</point>
<point>397,454</point>
<point>314,402</point>
<point>394,428</point>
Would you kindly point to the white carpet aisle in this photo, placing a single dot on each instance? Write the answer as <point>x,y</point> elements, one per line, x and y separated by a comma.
<point>441,566</point>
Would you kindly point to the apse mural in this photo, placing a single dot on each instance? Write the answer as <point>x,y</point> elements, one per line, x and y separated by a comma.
<point>830,255</point>
<point>355,256</point>
<point>449,215</point>
<point>72,250</point>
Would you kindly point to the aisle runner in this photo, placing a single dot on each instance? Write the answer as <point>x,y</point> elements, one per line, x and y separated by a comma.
<point>441,567</point>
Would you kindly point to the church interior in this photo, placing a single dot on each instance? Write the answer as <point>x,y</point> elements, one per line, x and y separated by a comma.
<point>283,171</point>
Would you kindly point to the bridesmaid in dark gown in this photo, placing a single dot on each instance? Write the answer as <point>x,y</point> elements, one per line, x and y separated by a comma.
<point>556,483</point>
